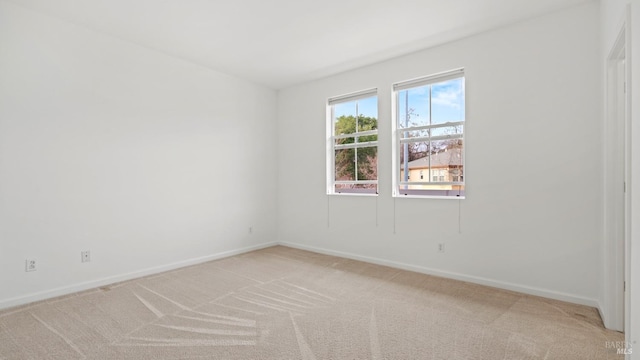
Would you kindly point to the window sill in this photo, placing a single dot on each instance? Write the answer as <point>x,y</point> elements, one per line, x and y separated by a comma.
<point>429,197</point>
<point>352,194</point>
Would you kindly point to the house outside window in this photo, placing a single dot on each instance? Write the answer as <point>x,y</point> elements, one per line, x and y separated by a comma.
<point>352,143</point>
<point>428,129</point>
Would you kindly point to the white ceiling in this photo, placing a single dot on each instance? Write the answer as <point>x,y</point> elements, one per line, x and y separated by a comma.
<point>283,42</point>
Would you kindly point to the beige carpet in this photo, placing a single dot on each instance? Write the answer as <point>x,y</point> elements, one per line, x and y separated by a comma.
<point>283,303</point>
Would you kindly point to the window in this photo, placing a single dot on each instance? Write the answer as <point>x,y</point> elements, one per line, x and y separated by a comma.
<point>352,146</point>
<point>429,136</point>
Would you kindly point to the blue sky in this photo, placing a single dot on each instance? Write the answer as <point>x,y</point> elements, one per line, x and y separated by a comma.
<point>447,104</point>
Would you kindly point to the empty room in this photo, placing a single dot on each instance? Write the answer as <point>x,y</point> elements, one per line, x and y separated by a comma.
<point>354,179</point>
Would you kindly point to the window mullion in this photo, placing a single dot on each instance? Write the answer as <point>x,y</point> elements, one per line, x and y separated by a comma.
<point>429,148</point>
<point>364,133</point>
<point>431,138</point>
<point>356,145</point>
<point>435,126</point>
<point>406,146</point>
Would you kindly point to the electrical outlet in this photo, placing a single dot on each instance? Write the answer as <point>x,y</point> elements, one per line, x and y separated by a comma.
<point>30,265</point>
<point>85,256</point>
<point>441,247</point>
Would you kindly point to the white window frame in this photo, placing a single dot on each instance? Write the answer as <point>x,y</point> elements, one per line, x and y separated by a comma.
<point>397,134</point>
<point>332,147</point>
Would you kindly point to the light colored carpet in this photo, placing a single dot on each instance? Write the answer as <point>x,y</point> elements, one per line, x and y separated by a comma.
<point>283,303</point>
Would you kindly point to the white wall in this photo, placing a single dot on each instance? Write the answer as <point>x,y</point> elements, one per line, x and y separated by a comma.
<point>612,15</point>
<point>531,221</point>
<point>147,161</point>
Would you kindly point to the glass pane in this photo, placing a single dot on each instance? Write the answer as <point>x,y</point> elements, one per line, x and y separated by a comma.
<point>440,164</point>
<point>447,100</point>
<point>456,173</point>
<point>414,151</point>
<point>345,165</point>
<point>413,107</point>
<point>366,123</point>
<point>415,157</point>
<point>442,145</point>
<point>360,115</point>
<point>344,122</point>
<point>447,154</point>
<point>367,163</point>
<point>368,114</point>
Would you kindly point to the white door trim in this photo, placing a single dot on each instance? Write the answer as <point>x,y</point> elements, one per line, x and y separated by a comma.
<point>616,181</point>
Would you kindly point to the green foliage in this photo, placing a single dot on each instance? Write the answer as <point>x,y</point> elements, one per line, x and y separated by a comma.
<point>367,158</point>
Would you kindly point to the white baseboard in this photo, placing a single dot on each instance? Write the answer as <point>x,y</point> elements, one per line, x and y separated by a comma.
<point>49,294</point>
<point>456,276</point>
<point>602,314</point>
